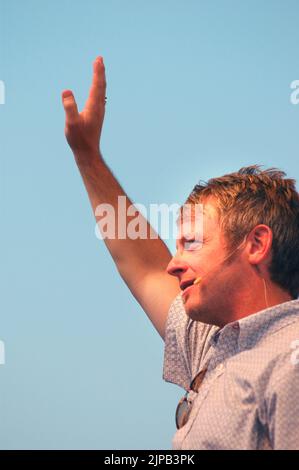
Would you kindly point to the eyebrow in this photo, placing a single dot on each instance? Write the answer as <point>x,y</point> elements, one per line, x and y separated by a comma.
<point>180,215</point>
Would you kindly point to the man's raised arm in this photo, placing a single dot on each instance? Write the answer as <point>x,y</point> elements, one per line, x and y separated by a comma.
<point>140,262</point>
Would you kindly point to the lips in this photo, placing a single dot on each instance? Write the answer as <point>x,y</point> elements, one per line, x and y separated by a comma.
<point>187,289</point>
<point>186,283</point>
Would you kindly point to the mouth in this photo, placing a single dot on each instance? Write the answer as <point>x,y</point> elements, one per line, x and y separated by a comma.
<point>185,284</point>
<point>187,289</point>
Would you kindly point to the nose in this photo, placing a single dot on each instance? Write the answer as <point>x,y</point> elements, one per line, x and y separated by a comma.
<point>176,266</point>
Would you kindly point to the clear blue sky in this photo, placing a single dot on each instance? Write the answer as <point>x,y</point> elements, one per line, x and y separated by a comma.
<point>196,89</point>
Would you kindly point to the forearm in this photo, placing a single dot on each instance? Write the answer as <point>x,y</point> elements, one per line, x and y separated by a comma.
<point>129,254</point>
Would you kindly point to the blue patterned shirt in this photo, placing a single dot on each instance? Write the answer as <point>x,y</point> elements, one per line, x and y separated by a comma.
<point>249,398</point>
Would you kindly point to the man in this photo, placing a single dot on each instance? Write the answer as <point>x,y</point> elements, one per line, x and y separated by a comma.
<point>231,333</point>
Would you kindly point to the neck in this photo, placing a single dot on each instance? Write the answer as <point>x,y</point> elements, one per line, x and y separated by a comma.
<point>266,295</point>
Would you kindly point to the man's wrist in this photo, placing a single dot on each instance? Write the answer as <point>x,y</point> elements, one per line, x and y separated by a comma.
<point>87,157</point>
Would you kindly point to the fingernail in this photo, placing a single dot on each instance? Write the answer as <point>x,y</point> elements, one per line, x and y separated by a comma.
<point>67,94</point>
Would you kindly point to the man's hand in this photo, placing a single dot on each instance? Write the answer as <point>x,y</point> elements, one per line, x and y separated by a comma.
<point>83,130</point>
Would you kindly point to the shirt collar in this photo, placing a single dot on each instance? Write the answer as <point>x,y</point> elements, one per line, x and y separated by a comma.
<point>266,322</point>
<point>249,330</point>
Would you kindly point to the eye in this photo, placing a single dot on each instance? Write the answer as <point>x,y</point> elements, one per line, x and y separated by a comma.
<point>192,244</point>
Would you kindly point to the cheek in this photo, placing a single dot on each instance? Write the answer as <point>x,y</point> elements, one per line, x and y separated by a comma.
<point>198,261</point>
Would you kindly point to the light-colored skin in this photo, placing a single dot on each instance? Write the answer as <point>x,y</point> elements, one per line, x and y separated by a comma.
<point>226,294</point>
<point>141,263</point>
<point>232,289</point>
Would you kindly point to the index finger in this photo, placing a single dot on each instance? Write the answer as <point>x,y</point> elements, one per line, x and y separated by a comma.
<point>96,98</point>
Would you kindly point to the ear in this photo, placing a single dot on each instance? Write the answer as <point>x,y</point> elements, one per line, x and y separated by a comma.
<point>260,244</point>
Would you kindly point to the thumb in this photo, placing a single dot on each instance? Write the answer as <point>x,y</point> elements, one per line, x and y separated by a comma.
<point>70,105</point>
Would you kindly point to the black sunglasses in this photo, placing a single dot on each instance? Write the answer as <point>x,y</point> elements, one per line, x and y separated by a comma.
<point>185,404</point>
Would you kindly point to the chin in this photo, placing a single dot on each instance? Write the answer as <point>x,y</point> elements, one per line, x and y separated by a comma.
<point>193,310</point>
<point>196,310</point>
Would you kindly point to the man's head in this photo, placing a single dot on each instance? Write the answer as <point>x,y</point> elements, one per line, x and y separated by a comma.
<point>259,208</point>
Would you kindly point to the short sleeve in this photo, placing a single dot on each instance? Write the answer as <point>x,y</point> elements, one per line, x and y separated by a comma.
<point>283,407</point>
<point>186,344</point>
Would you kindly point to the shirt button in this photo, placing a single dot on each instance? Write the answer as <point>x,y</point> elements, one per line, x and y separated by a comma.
<point>220,367</point>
